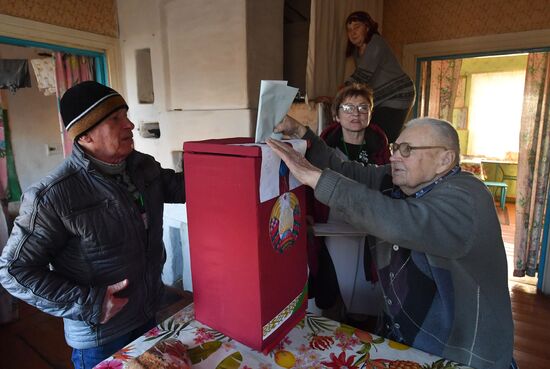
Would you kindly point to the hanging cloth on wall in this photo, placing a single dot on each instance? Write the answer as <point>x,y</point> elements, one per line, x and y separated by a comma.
<point>44,69</point>
<point>14,74</point>
<point>10,190</point>
<point>8,304</point>
<point>69,71</point>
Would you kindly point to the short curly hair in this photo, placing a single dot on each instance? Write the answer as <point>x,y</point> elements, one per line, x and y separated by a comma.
<point>352,90</point>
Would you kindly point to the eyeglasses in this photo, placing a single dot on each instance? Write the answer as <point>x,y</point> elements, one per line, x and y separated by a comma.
<point>350,108</point>
<point>405,148</point>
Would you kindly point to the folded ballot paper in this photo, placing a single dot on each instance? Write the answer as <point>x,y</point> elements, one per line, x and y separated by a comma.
<point>275,100</point>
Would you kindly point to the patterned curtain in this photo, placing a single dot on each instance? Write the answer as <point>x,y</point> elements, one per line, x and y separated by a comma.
<point>10,190</point>
<point>533,166</point>
<point>439,87</point>
<point>69,71</point>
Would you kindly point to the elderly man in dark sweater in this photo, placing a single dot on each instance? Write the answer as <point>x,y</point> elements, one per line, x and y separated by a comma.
<point>439,249</point>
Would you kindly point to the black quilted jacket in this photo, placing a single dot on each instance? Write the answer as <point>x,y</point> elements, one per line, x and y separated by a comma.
<point>78,232</point>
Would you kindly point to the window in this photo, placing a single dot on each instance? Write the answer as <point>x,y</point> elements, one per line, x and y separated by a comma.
<point>494,121</point>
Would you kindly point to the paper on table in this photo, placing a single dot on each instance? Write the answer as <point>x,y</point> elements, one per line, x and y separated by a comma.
<point>275,100</point>
<point>336,229</point>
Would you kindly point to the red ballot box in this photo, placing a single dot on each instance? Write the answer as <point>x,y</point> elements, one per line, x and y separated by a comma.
<point>248,258</point>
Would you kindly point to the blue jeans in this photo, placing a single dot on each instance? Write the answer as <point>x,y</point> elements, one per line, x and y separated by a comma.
<point>88,358</point>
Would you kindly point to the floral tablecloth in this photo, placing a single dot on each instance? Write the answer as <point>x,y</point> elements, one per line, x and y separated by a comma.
<point>316,342</point>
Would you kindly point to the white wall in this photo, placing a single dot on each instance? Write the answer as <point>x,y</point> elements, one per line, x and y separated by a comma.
<point>33,123</point>
<point>208,58</point>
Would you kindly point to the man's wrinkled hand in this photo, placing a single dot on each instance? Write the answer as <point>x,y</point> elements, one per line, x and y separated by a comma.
<point>111,303</point>
<point>290,128</point>
<point>300,168</point>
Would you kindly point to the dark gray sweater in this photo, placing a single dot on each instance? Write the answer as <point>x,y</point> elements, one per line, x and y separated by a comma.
<point>440,258</point>
<point>379,68</point>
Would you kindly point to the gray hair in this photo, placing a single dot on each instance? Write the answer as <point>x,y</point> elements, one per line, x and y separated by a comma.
<point>444,131</point>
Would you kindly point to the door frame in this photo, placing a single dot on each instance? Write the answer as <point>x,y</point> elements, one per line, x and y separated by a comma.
<point>105,50</point>
<point>505,43</point>
<point>32,33</point>
<point>100,60</point>
<point>490,44</point>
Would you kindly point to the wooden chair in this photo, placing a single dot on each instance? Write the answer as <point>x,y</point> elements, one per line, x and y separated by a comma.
<point>496,184</point>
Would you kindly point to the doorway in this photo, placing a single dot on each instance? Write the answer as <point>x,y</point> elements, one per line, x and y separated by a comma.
<point>32,118</point>
<point>28,33</point>
<point>32,112</point>
<point>295,42</point>
<point>482,96</point>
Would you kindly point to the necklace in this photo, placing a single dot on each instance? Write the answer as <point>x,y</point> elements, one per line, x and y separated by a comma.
<point>361,155</point>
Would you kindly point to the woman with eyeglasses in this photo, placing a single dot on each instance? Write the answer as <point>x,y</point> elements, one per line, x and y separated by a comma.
<point>376,66</point>
<point>353,132</point>
<point>346,278</point>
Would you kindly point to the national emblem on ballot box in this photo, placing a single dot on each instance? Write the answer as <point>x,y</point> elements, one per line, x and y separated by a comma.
<point>247,238</point>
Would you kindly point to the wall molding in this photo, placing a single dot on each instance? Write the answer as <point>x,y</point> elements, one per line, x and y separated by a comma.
<point>471,45</point>
<point>25,29</point>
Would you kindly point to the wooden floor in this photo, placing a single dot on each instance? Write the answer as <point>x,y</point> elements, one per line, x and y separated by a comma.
<point>36,339</point>
<point>531,310</point>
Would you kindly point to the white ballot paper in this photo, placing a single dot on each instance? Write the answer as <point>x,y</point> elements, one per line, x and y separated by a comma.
<point>275,100</point>
<point>269,173</point>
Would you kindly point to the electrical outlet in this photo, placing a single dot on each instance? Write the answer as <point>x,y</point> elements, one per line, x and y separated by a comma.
<point>53,149</point>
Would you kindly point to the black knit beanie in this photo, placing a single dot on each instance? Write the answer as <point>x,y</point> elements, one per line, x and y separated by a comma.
<point>86,104</point>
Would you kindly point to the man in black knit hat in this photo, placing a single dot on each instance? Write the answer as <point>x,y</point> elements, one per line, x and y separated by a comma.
<point>87,244</point>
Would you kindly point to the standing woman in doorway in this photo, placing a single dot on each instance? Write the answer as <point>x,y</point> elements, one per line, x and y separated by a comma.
<point>376,66</point>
